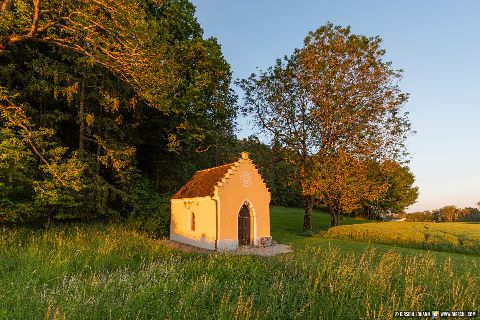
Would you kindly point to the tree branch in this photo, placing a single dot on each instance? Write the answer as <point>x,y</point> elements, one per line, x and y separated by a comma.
<point>36,18</point>
<point>6,5</point>
<point>19,119</point>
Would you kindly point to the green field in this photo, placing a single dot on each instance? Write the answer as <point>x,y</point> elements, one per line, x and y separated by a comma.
<point>109,272</point>
<point>463,237</point>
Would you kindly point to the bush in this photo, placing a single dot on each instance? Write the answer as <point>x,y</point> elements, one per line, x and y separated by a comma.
<point>307,233</point>
<point>149,210</point>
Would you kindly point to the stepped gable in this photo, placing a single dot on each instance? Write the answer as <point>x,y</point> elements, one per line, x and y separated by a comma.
<point>203,182</point>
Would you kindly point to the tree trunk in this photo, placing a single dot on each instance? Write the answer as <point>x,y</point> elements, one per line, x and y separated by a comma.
<point>6,5</point>
<point>50,217</point>
<point>334,218</point>
<point>81,118</point>
<point>97,173</point>
<point>99,207</point>
<point>307,218</point>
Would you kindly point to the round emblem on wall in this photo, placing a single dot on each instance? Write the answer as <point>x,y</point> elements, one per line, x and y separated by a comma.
<point>246,179</point>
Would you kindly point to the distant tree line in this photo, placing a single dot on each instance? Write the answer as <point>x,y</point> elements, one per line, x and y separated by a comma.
<point>445,214</point>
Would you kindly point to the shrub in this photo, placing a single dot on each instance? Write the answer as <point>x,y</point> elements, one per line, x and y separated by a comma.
<point>307,233</point>
<point>149,210</point>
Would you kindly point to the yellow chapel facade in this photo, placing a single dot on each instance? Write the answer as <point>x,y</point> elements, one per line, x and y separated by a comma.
<point>222,208</point>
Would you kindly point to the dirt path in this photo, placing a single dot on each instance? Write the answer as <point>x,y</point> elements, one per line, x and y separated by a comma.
<point>272,250</point>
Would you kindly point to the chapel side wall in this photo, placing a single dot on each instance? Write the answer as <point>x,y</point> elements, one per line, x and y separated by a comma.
<point>204,235</point>
<point>233,194</point>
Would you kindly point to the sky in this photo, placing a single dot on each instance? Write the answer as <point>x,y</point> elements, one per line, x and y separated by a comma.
<point>436,43</point>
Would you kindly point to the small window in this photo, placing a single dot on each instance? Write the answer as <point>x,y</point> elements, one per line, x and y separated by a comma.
<point>192,222</point>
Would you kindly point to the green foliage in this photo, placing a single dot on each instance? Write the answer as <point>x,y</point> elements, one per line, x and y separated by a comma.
<point>470,215</point>
<point>16,185</point>
<point>148,97</point>
<point>275,170</point>
<point>43,187</point>
<point>59,195</point>
<point>449,213</point>
<point>198,132</point>
<point>15,19</point>
<point>342,182</point>
<point>118,36</point>
<point>400,193</point>
<point>149,211</point>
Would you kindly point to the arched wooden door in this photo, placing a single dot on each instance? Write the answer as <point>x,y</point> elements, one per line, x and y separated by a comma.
<point>244,225</point>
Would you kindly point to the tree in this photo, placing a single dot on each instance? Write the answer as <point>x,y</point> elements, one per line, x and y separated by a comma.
<point>117,35</point>
<point>93,124</point>
<point>470,215</point>
<point>199,130</point>
<point>65,47</point>
<point>57,177</point>
<point>400,192</point>
<point>336,93</point>
<point>16,188</point>
<point>281,107</point>
<point>422,216</point>
<point>341,183</point>
<point>450,213</point>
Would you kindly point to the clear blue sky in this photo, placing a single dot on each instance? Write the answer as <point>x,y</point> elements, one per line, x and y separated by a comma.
<point>436,43</point>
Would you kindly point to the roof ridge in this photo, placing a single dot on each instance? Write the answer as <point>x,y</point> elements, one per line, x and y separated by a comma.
<point>212,168</point>
<point>203,182</point>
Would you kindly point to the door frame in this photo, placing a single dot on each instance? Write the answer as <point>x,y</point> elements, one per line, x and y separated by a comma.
<point>253,226</point>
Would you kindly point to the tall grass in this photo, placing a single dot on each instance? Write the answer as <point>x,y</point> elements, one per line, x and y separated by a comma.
<point>451,237</point>
<point>109,272</point>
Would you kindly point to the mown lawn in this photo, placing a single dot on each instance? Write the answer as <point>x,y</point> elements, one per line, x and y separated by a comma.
<point>102,271</point>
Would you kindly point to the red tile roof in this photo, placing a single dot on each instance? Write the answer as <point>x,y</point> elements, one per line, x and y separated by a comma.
<point>203,182</point>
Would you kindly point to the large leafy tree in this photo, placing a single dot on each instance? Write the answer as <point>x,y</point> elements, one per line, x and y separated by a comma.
<point>336,93</point>
<point>281,108</point>
<point>198,130</point>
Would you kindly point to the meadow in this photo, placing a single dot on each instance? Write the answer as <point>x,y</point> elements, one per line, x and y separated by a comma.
<point>463,237</point>
<point>106,271</point>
